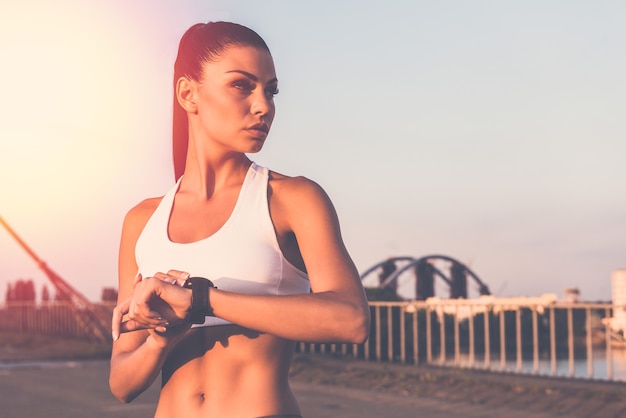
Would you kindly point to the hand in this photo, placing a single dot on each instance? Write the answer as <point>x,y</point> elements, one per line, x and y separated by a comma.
<point>176,277</point>
<point>157,303</point>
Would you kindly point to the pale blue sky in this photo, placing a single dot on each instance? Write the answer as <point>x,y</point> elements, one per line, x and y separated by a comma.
<point>491,132</point>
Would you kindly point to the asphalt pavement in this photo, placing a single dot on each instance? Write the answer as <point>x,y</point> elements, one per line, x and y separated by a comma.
<point>80,390</point>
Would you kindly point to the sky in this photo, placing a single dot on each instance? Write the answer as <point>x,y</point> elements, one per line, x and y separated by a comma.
<point>492,132</point>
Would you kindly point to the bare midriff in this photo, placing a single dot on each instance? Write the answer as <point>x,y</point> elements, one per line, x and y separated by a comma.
<point>227,371</point>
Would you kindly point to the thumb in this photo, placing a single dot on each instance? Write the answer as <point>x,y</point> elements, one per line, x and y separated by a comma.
<point>118,313</point>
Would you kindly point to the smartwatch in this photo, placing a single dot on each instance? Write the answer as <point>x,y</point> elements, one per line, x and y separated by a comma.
<point>200,305</point>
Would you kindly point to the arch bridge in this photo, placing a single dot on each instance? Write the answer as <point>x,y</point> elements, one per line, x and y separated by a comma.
<point>455,276</point>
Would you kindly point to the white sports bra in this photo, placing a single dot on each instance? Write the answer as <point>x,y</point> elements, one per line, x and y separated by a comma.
<point>243,256</point>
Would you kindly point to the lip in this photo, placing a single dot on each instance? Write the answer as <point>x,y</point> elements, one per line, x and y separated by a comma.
<point>260,130</point>
<point>259,127</point>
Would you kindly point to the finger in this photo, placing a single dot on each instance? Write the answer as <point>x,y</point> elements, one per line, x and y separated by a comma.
<point>166,278</point>
<point>175,277</point>
<point>180,275</point>
<point>141,322</point>
<point>121,310</point>
<point>132,325</point>
<point>118,313</point>
<point>138,278</point>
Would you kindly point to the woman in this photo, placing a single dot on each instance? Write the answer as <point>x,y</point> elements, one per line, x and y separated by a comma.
<point>269,243</point>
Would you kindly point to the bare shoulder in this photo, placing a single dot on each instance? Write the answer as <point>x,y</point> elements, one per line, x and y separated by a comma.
<point>141,212</point>
<point>137,217</point>
<point>296,190</point>
<point>298,202</point>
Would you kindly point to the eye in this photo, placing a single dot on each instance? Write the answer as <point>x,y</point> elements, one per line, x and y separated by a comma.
<point>271,91</point>
<point>243,85</point>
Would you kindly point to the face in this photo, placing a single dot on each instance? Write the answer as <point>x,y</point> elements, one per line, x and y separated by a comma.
<point>235,100</point>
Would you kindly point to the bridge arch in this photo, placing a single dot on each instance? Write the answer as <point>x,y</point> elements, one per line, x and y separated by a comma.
<point>455,280</point>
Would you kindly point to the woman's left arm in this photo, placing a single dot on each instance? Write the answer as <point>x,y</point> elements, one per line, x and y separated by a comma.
<point>337,309</point>
<point>335,312</point>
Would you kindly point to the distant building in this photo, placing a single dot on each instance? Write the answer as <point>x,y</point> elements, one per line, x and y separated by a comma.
<point>571,294</point>
<point>109,294</point>
<point>618,282</point>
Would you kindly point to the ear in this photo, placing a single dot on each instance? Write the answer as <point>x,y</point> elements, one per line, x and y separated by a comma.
<point>186,93</point>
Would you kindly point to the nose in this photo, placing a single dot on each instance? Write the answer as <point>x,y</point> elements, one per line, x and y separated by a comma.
<point>262,104</point>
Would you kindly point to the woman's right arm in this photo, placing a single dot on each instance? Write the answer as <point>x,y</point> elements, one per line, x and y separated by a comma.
<point>137,357</point>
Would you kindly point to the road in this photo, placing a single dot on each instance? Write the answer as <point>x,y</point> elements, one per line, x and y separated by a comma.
<point>80,390</point>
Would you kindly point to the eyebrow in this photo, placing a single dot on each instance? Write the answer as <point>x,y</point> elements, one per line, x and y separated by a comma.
<point>251,76</point>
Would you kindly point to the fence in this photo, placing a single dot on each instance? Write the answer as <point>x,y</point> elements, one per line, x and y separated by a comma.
<point>493,334</point>
<point>47,318</point>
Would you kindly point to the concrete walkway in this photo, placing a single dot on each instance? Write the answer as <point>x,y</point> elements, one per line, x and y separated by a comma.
<point>80,390</point>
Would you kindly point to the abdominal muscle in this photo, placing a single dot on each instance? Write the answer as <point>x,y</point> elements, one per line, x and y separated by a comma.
<point>227,371</point>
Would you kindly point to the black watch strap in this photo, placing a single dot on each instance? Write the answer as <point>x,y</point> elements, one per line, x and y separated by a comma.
<point>200,305</point>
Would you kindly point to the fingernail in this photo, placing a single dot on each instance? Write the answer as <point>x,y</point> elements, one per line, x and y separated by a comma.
<point>115,337</point>
<point>161,329</point>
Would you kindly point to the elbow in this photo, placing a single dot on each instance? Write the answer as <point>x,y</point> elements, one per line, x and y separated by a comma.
<point>360,336</point>
<point>360,328</point>
<point>122,397</point>
<point>120,394</point>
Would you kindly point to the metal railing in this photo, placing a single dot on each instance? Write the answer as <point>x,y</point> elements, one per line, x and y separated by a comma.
<point>47,318</point>
<point>537,336</point>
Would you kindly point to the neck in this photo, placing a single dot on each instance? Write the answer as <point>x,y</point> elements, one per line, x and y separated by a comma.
<point>206,176</point>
